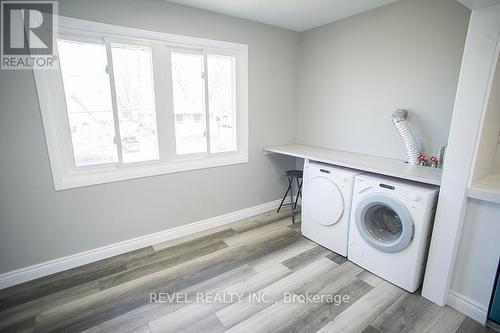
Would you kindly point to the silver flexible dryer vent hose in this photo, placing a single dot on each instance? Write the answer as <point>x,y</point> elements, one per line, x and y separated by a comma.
<point>399,118</point>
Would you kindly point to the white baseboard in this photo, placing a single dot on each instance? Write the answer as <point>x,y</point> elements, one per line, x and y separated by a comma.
<point>58,265</point>
<point>471,308</point>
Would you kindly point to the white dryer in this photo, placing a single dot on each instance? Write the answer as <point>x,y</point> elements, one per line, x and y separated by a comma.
<point>326,204</point>
<point>391,223</point>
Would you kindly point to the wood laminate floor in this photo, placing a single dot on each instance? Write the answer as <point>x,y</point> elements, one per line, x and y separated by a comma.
<point>193,284</point>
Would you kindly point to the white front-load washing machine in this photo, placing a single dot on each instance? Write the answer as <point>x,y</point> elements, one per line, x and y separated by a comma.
<point>326,204</point>
<point>390,227</point>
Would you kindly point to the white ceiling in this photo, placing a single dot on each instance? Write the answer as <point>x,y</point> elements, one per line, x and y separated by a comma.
<point>478,4</point>
<point>298,15</point>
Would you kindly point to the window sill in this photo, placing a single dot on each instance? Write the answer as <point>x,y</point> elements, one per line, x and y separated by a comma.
<point>115,174</point>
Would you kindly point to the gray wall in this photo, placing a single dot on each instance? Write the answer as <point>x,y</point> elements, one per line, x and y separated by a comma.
<point>353,73</point>
<point>39,224</point>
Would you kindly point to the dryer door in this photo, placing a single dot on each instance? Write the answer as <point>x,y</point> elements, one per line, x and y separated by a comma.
<point>384,223</point>
<point>323,201</point>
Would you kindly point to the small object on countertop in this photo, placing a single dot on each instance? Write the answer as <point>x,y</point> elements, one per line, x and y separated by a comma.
<point>422,160</point>
<point>434,161</point>
<point>442,155</point>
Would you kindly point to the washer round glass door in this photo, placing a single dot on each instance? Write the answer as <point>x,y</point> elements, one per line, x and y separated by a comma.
<point>384,223</point>
<point>323,201</point>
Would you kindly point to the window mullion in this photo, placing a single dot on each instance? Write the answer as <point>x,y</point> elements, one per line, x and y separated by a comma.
<point>164,102</point>
<point>207,107</point>
<point>114,102</point>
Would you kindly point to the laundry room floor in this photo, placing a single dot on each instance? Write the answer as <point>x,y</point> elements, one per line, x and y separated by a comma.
<point>155,289</point>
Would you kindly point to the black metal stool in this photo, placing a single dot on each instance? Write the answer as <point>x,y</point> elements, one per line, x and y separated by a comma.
<point>297,175</point>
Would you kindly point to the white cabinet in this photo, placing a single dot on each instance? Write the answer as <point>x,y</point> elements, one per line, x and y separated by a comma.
<point>485,178</point>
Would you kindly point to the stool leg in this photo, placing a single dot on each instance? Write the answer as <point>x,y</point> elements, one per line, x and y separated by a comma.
<point>291,200</point>
<point>286,193</point>
<point>299,193</point>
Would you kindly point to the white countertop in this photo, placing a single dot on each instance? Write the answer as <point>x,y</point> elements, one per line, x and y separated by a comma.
<point>381,165</point>
<point>486,189</point>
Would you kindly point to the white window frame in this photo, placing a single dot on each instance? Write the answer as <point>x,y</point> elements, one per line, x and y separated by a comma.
<point>54,114</point>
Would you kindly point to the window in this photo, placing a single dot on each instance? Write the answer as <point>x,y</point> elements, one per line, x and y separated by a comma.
<point>221,101</point>
<point>189,102</point>
<point>88,102</point>
<point>127,103</point>
<point>134,86</point>
<point>199,129</point>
